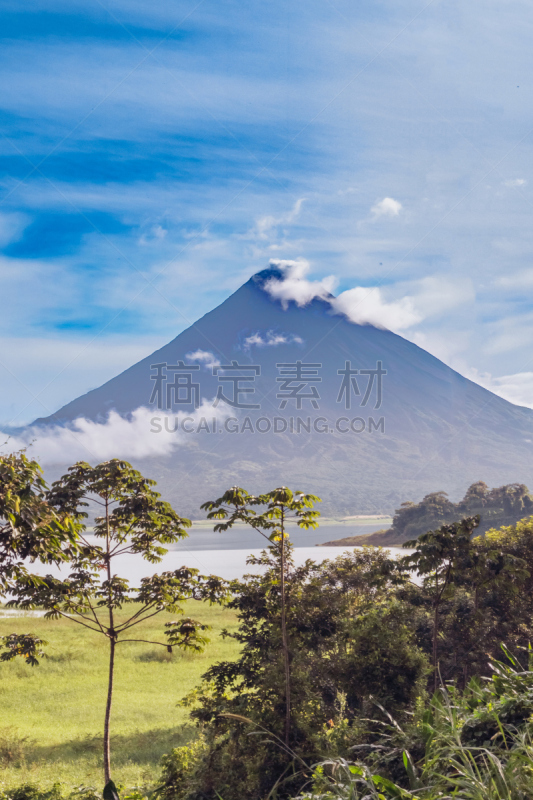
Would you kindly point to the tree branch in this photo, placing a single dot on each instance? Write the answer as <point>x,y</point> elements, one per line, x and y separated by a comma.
<point>78,621</point>
<point>95,617</point>
<point>143,610</point>
<point>116,552</point>
<point>125,627</point>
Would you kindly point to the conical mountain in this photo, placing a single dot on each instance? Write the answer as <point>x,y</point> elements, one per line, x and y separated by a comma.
<point>354,413</point>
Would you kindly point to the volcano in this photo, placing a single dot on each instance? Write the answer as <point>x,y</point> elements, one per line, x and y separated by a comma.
<point>281,394</point>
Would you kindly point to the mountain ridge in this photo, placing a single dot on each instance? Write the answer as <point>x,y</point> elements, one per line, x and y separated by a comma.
<point>440,428</point>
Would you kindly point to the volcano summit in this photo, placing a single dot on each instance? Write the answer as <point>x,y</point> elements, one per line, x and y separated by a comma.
<point>264,391</point>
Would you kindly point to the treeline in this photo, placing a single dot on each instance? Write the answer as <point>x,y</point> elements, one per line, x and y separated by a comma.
<point>504,505</point>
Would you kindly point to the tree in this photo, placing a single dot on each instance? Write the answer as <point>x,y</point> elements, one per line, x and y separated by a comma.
<point>280,507</point>
<point>503,505</point>
<point>30,530</point>
<point>476,497</point>
<point>436,558</point>
<point>411,519</point>
<point>30,527</point>
<point>133,520</point>
<point>351,644</point>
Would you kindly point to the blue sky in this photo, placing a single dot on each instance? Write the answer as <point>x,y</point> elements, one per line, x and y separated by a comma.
<point>155,155</point>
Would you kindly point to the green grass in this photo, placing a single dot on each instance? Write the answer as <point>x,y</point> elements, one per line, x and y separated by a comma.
<point>51,716</point>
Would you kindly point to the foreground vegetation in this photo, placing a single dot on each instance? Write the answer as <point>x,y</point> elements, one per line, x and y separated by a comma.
<point>346,679</point>
<point>474,745</point>
<point>367,648</point>
<point>51,715</point>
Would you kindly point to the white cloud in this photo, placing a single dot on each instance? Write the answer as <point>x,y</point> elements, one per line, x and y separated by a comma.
<point>517,388</point>
<point>271,339</point>
<point>431,296</point>
<point>209,359</point>
<point>388,207</point>
<point>295,286</point>
<point>367,306</point>
<point>11,227</point>
<point>118,437</point>
<point>513,332</point>
<point>448,347</point>
<point>428,297</point>
<point>515,182</point>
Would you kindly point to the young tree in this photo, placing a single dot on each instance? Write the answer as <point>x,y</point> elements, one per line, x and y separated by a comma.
<point>279,507</point>
<point>133,520</point>
<point>436,558</point>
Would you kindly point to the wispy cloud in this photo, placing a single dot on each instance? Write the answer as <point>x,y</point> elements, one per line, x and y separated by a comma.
<point>271,339</point>
<point>205,356</point>
<point>265,226</point>
<point>517,388</point>
<point>518,280</point>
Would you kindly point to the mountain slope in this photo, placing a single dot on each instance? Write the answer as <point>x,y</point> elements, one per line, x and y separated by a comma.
<point>441,431</point>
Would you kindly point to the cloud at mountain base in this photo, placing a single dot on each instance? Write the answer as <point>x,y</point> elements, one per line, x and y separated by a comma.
<point>117,437</point>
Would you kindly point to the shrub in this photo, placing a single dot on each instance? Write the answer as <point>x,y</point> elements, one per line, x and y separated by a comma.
<point>351,650</point>
<point>12,747</point>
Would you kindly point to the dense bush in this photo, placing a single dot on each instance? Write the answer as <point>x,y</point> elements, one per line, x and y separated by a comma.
<point>363,637</point>
<point>351,648</point>
<point>475,745</point>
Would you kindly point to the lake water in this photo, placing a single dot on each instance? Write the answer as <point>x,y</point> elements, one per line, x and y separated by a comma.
<point>240,538</point>
<point>228,564</point>
<point>225,554</point>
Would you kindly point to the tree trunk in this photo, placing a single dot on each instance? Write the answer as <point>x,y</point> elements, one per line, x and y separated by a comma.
<point>435,634</point>
<point>284,641</point>
<point>107,743</point>
<point>112,643</point>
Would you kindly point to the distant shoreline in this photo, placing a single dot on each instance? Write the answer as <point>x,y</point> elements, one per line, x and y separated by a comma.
<point>355,520</point>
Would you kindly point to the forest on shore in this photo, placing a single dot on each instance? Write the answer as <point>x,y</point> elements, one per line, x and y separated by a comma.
<point>497,507</point>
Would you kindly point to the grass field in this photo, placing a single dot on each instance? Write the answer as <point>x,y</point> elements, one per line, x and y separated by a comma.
<point>51,716</point>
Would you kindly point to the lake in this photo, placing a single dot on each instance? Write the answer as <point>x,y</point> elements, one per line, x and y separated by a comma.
<point>225,554</point>
<point>202,536</point>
